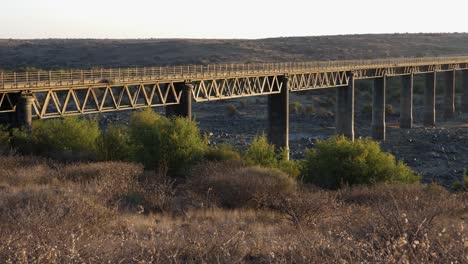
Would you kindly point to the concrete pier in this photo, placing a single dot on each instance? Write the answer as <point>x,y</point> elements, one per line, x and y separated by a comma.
<point>406,101</point>
<point>449,95</point>
<point>464,99</point>
<point>24,111</point>
<point>344,117</point>
<point>184,108</point>
<point>429,119</point>
<point>278,117</point>
<point>378,109</point>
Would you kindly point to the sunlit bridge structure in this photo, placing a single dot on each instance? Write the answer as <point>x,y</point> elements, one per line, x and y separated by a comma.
<point>52,94</point>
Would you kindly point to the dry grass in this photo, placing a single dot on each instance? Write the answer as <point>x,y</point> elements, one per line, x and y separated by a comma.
<point>50,214</point>
<point>231,185</point>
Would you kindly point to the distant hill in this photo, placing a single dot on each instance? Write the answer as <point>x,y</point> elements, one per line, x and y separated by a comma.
<point>86,53</point>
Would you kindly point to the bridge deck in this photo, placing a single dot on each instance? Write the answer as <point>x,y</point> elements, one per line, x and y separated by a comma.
<point>40,80</point>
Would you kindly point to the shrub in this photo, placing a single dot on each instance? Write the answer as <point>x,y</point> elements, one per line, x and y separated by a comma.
<point>221,152</point>
<point>59,138</point>
<point>338,160</point>
<point>231,110</point>
<point>157,192</point>
<point>290,167</point>
<point>231,185</point>
<point>115,144</point>
<point>261,153</point>
<point>175,143</point>
<point>112,182</point>
<point>25,170</point>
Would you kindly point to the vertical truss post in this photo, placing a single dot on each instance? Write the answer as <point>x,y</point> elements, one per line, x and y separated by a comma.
<point>378,109</point>
<point>406,101</point>
<point>344,118</point>
<point>429,100</point>
<point>278,117</point>
<point>449,94</point>
<point>464,101</point>
<point>184,108</point>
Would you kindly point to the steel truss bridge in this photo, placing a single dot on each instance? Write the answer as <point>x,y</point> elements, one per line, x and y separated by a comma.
<point>76,92</point>
<point>50,94</point>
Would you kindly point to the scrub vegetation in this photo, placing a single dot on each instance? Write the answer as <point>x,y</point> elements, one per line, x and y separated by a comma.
<point>155,191</point>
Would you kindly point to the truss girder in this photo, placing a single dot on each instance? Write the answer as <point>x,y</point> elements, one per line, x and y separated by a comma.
<point>7,103</point>
<point>234,87</point>
<point>308,81</point>
<point>86,100</point>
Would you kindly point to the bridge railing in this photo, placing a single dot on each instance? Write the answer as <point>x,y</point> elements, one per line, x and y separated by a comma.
<point>37,79</point>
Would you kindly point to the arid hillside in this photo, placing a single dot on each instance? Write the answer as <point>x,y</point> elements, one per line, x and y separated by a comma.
<point>86,53</point>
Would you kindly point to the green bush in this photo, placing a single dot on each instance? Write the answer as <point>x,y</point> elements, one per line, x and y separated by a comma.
<point>263,154</point>
<point>222,152</point>
<point>115,144</point>
<point>338,160</point>
<point>290,167</point>
<point>71,135</point>
<point>159,141</point>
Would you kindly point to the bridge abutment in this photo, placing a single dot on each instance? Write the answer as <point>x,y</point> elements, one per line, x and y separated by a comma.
<point>464,101</point>
<point>278,117</point>
<point>406,101</point>
<point>378,109</point>
<point>344,117</point>
<point>184,108</point>
<point>449,94</point>
<point>429,119</point>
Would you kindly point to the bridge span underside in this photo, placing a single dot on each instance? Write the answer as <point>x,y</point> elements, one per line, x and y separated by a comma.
<point>52,94</point>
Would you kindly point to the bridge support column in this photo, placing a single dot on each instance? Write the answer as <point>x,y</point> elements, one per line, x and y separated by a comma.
<point>429,100</point>
<point>449,94</point>
<point>378,109</point>
<point>464,101</point>
<point>344,117</point>
<point>406,102</point>
<point>24,111</point>
<point>278,117</point>
<point>184,108</point>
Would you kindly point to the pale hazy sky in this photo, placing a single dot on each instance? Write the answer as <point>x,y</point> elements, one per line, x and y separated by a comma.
<point>226,19</point>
